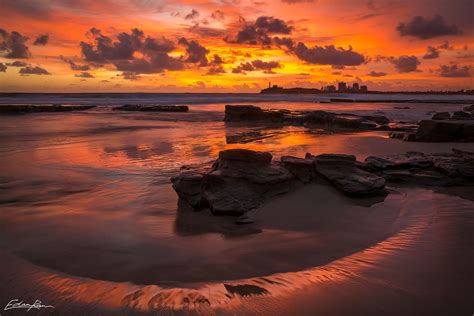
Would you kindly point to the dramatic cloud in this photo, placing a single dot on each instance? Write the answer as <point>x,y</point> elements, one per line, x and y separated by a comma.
<point>84,74</point>
<point>41,40</point>
<point>432,53</point>
<point>328,55</point>
<point>284,41</point>
<point>193,15</point>
<point>405,63</point>
<point>454,71</point>
<point>376,74</point>
<point>30,70</point>
<point>121,53</point>
<point>195,53</point>
<point>17,63</point>
<point>216,70</point>
<point>205,31</point>
<point>13,45</point>
<point>3,68</point>
<point>266,67</point>
<point>258,32</point>
<point>426,28</point>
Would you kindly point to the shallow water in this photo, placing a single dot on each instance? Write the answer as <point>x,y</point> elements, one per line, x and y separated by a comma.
<point>88,194</point>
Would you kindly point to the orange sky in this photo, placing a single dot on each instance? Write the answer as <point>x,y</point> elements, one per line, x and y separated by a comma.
<point>389,40</point>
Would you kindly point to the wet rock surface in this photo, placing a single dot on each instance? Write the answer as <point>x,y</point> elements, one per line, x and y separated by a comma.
<point>252,114</point>
<point>442,169</point>
<point>343,173</point>
<point>445,131</point>
<point>241,180</point>
<point>33,108</point>
<point>152,108</point>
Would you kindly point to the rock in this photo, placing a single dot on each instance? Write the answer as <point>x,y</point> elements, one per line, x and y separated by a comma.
<point>188,186</point>
<point>411,159</point>
<point>456,168</point>
<point>401,107</point>
<point>379,119</point>
<point>409,136</point>
<point>396,135</point>
<point>249,113</point>
<point>461,115</point>
<point>152,108</point>
<point>469,108</point>
<point>245,156</point>
<point>441,116</point>
<point>246,218</point>
<point>33,108</point>
<point>239,181</point>
<point>445,131</point>
<point>301,168</point>
<point>342,172</point>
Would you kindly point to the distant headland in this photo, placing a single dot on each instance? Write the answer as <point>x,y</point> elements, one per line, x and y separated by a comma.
<point>343,87</point>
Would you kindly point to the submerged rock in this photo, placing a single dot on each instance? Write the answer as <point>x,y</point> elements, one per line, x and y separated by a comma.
<point>342,172</point>
<point>441,116</point>
<point>251,113</point>
<point>445,131</point>
<point>461,115</point>
<point>33,108</point>
<point>456,168</point>
<point>152,108</point>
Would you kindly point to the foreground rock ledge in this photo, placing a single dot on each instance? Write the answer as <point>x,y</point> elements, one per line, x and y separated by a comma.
<point>152,108</point>
<point>34,108</point>
<point>241,180</point>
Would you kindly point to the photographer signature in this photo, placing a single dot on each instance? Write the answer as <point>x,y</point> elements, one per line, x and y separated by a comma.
<point>16,303</point>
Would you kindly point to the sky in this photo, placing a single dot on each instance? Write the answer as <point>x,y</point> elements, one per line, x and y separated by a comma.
<point>234,45</point>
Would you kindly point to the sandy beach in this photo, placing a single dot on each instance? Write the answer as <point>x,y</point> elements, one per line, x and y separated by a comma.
<point>90,223</point>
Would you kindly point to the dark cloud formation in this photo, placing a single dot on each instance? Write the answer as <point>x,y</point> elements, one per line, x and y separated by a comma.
<point>454,71</point>
<point>41,40</point>
<point>216,70</point>
<point>432,53</point>
<point>3,68</point>
<point>328,55</point>
<point>84,74</point>
<point>193,15</point>
<point>30,70</point>
<point>405,63</point>
<point>266,67</point>
<point>121,52</point>
<point>130,76</point>
<point>13,45</point>
<point>376,74</point>
<point>284,41</point>
<point>260,31</point>
<point>195,53</point>
<point>217,60</point>
<point>426,28</point>
<point>75,66</point>
<point>17,63</point>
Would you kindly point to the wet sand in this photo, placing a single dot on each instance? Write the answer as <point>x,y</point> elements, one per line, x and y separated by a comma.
<point>90,224</point>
